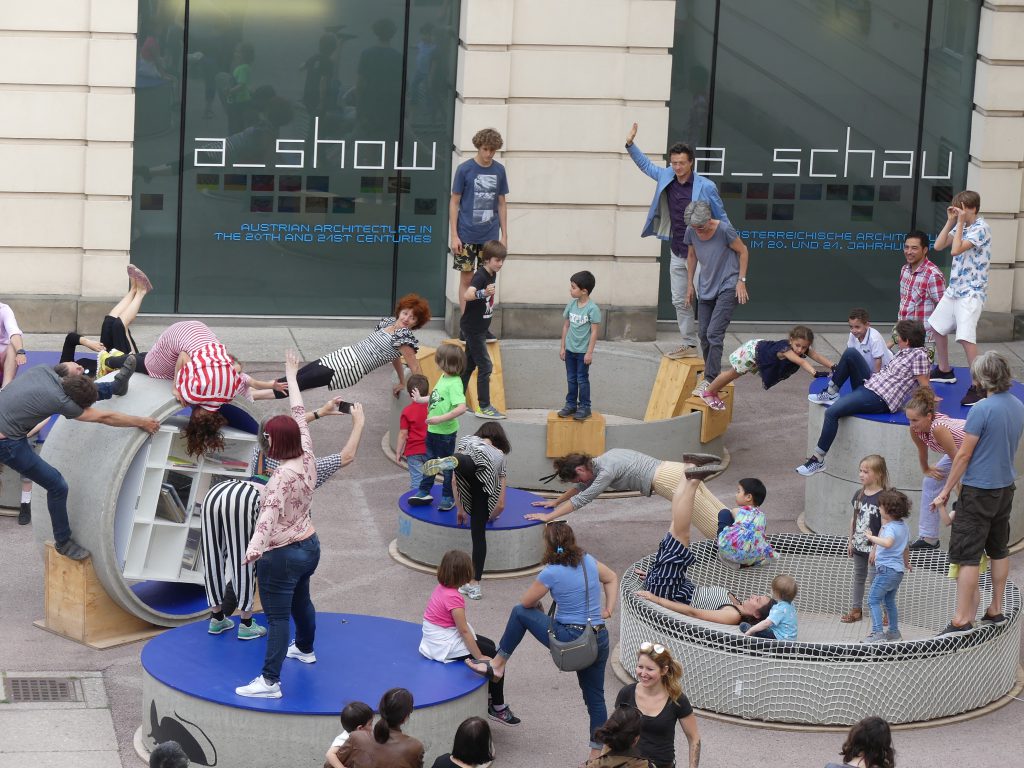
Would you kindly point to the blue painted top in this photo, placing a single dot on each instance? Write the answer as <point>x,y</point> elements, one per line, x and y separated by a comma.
<point>951,395</point>
<point>358,658</point>
<point>517,504</point>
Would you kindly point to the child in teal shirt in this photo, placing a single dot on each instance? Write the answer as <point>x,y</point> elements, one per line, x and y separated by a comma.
<point>579,335</point>
<point>447,403</point>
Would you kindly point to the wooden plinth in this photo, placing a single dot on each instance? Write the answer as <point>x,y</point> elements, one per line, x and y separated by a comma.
<point>78,608</point>
<point>712,423</point>
<point>571,436</point>
<point>433,373</point>
<point>675,381</point>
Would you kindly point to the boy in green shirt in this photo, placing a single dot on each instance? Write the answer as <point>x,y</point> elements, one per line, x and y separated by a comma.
<point>447,403</point>
<point>579,335</point>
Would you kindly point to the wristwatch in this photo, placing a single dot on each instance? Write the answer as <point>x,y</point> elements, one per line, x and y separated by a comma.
<point>743,279</point>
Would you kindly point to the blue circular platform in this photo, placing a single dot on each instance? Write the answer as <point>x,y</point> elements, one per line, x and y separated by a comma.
<point>951,395</point>
<point>358,658</point>
<point>517,504</point>
<point>175,598</point>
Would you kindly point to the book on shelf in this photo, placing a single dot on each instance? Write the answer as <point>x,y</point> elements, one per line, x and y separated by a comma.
<point>226,461</point>
<point>180,462</point>
<point>169,506</point>
<point>191,558</point>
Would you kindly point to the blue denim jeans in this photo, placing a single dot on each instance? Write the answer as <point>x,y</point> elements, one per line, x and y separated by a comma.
<point>19,456</point>
<point>883,591</point>
<point>283,575</point>
<point>578,375</point>
<point>439,446</point>
<point>415,470</point>
<point>591,679</point>
<point>851,367</point>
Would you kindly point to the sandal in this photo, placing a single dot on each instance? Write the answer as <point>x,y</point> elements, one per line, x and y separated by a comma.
<point>855,615</point>
<point>488,669</point>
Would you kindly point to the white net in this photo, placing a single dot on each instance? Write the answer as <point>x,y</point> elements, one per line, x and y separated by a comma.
<point>828,676</point>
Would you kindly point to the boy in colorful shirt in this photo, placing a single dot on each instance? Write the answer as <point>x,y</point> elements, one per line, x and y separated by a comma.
<point>411,448</point>
<point>960,308</point>
<point>741,531</point>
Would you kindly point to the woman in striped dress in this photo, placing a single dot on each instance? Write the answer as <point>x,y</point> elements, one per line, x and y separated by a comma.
<point>392,342</point>
<point>479,467</point>
<point>942,434</point>
<point>229,519</point>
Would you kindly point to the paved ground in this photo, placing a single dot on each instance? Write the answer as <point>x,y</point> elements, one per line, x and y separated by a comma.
<point>355,518</point>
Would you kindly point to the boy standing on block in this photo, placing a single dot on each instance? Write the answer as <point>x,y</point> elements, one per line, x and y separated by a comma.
<point>477,210</point>
<point>960,306</point>
<point>475,323</point>
<point>579,335</point>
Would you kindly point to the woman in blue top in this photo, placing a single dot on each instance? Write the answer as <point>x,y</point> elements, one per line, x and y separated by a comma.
<point>563,577</point>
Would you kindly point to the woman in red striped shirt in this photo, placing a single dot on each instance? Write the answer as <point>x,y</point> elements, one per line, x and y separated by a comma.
<point>205,376</point>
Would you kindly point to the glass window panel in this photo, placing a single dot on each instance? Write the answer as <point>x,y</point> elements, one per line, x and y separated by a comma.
<point>302,161</point>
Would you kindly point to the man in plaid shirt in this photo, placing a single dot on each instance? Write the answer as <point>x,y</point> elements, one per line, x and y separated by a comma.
<point>921,287</point>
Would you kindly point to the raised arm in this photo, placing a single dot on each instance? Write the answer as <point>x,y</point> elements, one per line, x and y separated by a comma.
<point>291,371</point>
<point>642,161</point>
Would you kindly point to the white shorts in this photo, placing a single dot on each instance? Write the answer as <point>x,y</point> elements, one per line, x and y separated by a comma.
<point>960,315</point>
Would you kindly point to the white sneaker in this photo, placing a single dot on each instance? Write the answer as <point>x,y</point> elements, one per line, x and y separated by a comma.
<point>472,591</point>
<point>824,397</point>
<point>811,466</point>
<point>259,688</point>
<point>702,387</point>
<point>305,658</point>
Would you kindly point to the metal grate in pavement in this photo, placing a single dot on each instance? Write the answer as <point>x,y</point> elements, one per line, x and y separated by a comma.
<point>21,690</point>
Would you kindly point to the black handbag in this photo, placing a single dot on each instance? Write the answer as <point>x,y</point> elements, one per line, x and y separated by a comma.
<point>581,652</point>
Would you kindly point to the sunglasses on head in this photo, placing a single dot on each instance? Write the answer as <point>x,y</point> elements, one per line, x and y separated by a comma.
<point>647,647</point>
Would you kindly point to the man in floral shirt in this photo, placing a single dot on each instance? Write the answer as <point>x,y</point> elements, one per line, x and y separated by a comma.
<point>961,305</point>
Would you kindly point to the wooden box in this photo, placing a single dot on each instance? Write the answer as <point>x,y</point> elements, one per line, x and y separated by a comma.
<point>568,435</point>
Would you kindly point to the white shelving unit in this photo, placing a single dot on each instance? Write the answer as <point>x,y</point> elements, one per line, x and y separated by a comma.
<point>148,546</point>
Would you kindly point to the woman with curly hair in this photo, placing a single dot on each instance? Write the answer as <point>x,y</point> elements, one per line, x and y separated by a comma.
<point>205,376</point>
<point>391,342</point>
<point>867,745</point>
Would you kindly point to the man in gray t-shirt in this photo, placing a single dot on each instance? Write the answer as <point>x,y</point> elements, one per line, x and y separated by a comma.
<point>34,396</point>
<point>723,281</point>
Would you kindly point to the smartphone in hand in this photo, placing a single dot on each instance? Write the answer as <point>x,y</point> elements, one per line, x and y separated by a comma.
<point>344,407</point>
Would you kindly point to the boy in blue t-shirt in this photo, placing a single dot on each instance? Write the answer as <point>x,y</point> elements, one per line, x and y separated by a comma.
<point>477,210</point>
<point>781,621</point>
<point>579,335</point>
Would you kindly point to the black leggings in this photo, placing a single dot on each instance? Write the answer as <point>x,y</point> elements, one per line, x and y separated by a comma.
<point>495,688</point>
<point>477,510</point>
<point>310,376</point>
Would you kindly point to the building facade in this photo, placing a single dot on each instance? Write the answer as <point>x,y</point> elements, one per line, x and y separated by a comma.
<point>273,159</point>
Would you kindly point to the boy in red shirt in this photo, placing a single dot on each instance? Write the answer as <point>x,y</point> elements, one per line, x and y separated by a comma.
<point>411,448</point>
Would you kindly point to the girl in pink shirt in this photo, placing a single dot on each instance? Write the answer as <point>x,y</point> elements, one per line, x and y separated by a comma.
<point>447,635</point>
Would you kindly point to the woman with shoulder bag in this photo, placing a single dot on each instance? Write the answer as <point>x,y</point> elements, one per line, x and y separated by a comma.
<point>576,581</point>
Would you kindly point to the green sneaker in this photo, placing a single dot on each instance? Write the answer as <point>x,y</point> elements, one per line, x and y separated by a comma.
<point>489,412</point>
<point>251,632</point>
<point>437,466</point>
<point>216,627</point>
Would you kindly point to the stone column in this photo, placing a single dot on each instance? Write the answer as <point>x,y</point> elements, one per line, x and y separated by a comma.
<point>562,82</point>
<point>67,117</point>
<point>997,148</point>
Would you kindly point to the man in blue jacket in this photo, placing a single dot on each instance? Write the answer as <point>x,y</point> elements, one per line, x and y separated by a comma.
<point>678,186</point>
